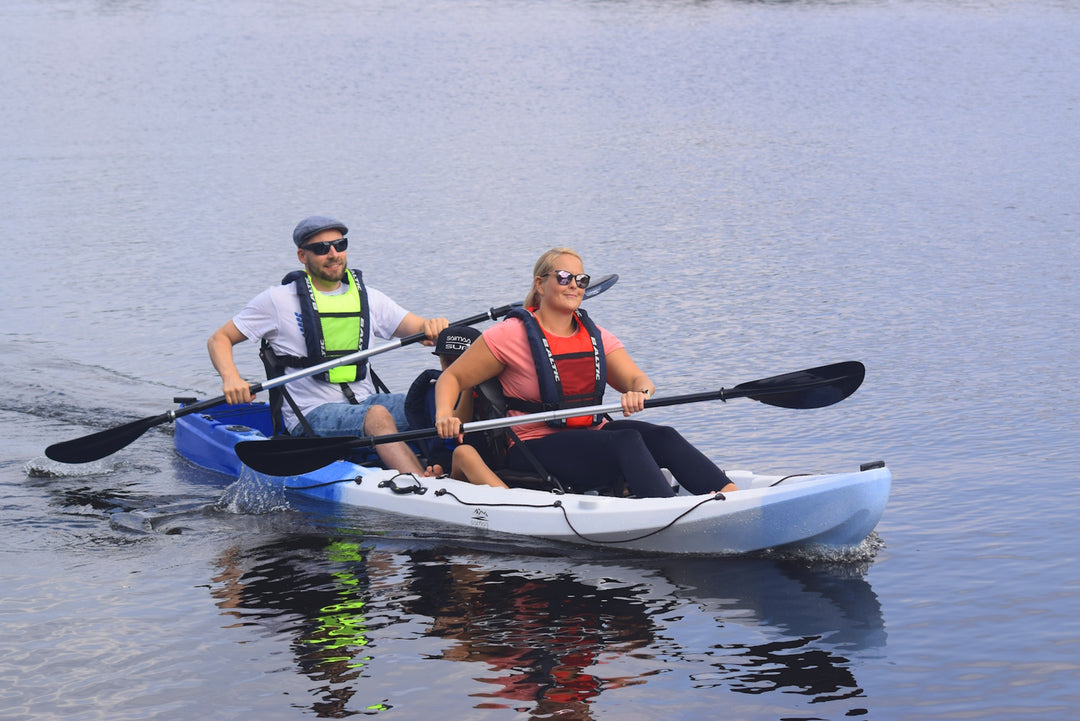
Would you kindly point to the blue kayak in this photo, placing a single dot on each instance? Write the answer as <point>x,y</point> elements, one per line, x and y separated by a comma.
<point>834,511</point>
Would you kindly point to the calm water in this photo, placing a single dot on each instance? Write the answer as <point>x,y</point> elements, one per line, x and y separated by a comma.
<point>779,185</point>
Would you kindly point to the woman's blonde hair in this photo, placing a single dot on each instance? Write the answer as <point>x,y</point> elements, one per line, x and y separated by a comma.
<point>544,265</point>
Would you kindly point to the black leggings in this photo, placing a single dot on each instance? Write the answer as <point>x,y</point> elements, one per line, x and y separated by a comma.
<point>630,451</point>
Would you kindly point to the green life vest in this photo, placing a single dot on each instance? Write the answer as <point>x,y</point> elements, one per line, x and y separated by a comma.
<point>342,326</point>
<point>333,326</point>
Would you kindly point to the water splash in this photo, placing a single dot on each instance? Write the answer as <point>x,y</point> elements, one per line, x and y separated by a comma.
<point>856,556</point>
<point>252,494</point>
<point>43,467</point>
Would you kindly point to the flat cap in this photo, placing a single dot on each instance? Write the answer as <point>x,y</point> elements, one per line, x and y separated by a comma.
<point>314,225</point>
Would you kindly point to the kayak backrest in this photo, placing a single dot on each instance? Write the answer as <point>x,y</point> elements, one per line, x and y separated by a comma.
<point>489,403</point>
<point>420,412</point>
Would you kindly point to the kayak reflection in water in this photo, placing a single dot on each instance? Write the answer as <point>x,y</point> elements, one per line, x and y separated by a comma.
<point>550,354</point>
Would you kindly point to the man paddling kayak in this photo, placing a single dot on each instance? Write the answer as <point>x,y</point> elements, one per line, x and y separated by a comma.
<point>322,312</point>
<point>551,355</point>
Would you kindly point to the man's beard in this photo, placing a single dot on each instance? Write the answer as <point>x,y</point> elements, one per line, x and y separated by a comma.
<point>327,276</point>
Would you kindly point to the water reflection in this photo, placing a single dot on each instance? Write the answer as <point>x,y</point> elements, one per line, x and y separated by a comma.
<point>549,635</point>
<point>820,614</point>
<point>538,635</point>
<point>802,598</point>
<point>312,593</point>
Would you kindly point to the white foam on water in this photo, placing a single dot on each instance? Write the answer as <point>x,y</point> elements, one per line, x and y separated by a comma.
<point>856,556</point>
<point>251,494</point>
<point>44,467</point>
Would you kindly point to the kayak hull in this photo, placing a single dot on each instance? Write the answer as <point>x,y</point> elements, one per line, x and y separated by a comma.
<point>829,511</point>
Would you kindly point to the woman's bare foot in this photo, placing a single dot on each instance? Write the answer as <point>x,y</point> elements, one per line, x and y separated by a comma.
<point>433,471</point>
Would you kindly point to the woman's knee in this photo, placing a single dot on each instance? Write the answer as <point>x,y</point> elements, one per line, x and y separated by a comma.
<point>621,439</point>
<point>662,434</point>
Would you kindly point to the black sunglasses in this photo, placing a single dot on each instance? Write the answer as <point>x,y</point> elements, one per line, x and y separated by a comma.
<point>564,277</point>
<point>323,247</point>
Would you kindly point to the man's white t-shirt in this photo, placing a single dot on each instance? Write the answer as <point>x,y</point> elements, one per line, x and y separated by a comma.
<point>275,315</point>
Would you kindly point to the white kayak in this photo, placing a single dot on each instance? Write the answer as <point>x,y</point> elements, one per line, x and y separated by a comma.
<point>799,511</point>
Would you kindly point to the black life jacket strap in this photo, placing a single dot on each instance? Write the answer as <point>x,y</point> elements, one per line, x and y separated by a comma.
<point>544,473</point>
<point>520,404</point>
<point>348,393</point>
<point>376,381</point>
<point>274,368</point>
<point>495,403</point>
<point>308,430</point>
<point>380,387</point>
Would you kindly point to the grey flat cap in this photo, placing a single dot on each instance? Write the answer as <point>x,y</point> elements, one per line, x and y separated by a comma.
<point>314,225</point>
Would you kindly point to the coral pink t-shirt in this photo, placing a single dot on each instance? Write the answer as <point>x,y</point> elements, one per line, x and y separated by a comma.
<point>510,346</point>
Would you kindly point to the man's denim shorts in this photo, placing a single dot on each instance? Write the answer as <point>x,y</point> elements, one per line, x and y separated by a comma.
<point>346,419</point>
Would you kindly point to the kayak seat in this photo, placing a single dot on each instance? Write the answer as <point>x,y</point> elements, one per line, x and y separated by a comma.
<point>488,402</point>
<point>420,412</point>
<point>524,479</point>
<point>535,482</point>
<point>491,403</point>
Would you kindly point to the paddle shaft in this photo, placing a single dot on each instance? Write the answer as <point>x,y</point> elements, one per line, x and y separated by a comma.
<point>281,380</point>
<point>491,314</point>
<point>724,394</point>
<point>109,441</point>
<point>360,355</point>
<point>811,388</point>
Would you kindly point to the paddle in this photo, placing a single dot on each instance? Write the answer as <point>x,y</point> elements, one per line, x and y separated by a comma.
<point>104,443</point>
<point>810,388</point>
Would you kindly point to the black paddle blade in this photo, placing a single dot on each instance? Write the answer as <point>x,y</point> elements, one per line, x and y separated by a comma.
<point>810,388</point>
<point>294,456</point>
<point>103,443</point>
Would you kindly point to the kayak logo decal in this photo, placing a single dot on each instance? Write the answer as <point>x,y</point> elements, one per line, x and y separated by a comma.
<point>479,519</point>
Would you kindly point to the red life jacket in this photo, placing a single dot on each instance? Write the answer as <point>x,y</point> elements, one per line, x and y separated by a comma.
<point>572,371</point>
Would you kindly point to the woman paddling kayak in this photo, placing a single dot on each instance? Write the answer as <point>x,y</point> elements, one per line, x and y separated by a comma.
<point>548,355</point>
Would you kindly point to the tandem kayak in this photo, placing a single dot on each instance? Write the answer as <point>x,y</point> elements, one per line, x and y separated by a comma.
<point>802,511</point>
